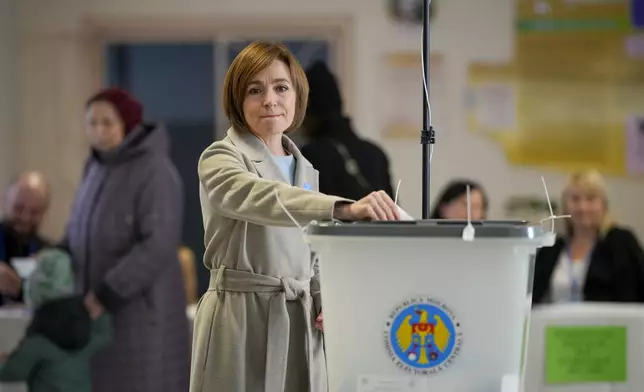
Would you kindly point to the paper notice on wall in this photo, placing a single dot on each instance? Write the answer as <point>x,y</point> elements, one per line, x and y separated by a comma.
<point>634,46</point>
<point>583,354</point>
<point>635,144</point>
<point>495,106</point>
<point>376,383</point>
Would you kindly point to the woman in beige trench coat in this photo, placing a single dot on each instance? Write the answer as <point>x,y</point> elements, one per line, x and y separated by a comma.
<point>258,328</point>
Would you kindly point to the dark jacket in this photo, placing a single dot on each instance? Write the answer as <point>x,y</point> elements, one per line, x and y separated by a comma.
<point>615,270</point>
<point>335,179</point>
<point>11,246</point>
<point>333,146</point>
<point>55,354</point>
<point>123,233</point>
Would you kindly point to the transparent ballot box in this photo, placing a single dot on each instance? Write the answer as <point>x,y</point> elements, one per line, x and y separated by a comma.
<point>412,306</point>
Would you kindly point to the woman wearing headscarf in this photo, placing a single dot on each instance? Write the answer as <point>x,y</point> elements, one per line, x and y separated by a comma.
<point>123,234</point>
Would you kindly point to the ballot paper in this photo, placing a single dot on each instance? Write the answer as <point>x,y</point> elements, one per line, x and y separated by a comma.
<point>404,216</point>
<point>24,266</point>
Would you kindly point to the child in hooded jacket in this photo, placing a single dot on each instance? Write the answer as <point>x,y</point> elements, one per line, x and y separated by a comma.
<point>63,334</point>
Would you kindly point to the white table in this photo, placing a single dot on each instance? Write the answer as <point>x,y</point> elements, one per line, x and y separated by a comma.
<point>13,323</point>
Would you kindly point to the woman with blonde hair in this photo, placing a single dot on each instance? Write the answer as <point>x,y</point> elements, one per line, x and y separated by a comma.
<point>259,325</point>
<point>595,259</point>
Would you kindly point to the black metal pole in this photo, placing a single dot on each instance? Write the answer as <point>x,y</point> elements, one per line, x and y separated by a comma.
<point>427,134</point>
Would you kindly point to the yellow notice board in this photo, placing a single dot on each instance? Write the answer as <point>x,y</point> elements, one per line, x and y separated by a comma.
<point>573,96</point>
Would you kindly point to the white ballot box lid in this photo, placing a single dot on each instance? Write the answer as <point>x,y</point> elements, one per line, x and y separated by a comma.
<point>589,347</point>
<point>428,228</point>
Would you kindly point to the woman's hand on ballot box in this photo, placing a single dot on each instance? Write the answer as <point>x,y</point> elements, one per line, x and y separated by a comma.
<point>376,206</point>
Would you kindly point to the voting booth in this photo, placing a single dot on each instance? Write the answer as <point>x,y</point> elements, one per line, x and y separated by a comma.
<point>587,347</point>
<point>412,306</point>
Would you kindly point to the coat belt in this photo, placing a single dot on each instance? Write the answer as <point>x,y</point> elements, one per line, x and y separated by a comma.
<point>287,289</point>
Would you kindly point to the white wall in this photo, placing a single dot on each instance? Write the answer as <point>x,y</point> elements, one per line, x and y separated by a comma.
<point>9,88</point>
<point>460,33</point>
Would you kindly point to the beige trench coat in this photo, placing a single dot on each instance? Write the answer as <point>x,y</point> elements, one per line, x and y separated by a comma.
<point>255,326</point>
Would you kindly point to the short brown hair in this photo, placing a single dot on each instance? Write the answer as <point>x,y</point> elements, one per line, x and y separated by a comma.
<point>249,62</point>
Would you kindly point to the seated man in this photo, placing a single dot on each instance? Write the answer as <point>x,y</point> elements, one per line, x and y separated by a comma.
<point>25,203</point>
